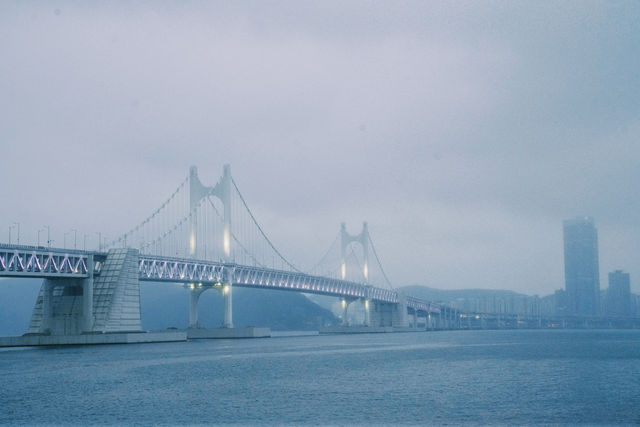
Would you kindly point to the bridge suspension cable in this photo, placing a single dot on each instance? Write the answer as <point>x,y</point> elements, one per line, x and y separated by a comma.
<point>332,247</point>
<point>271,245</point>
<point>140,230</point>
<point>375,254</point>
<point>235,239</point>
<point>169,231</point>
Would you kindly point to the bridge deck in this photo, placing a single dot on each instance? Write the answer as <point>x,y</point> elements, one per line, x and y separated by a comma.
<point>41,262</point>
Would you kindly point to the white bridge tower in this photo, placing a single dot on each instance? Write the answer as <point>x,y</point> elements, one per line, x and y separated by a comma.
<point>345,240</point>
<point>198,192</point>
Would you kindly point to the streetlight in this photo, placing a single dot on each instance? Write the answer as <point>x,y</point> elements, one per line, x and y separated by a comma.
<point>10,227</point>
<point>75,238</point>
<point>99,241</point>
<point>18,224</point>
<point>48,235</point>
<point>39,231</point>
<point>64,239</point>
<point>84,246</point>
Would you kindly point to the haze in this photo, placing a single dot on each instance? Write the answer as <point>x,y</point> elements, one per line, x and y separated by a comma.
<point>464,133</point>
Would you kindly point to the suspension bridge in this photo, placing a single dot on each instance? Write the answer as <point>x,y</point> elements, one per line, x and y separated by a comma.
<point>204,237</point>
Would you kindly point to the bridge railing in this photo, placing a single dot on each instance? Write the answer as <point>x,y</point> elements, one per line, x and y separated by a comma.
<point>422,305</point>
<point>28,261</point>
<point>153,268</point>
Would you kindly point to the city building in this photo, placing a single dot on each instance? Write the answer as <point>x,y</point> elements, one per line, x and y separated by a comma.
<point>581,271</point>
<point>618,296</point>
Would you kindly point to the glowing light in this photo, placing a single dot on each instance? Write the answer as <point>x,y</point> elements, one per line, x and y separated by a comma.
<point>192,243</point>
<point>191,286</point>
<point>225,290</point>
<point>344,303</point>
<point>366,271</point>
<point>227,241</point>
<point>366,304</point>
<point>343,270</point>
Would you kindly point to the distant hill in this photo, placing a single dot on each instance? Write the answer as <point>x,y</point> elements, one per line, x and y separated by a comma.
<point>166,305</point>
<point>441,295</point>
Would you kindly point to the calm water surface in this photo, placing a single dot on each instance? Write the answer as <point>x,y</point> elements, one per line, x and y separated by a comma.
<point>480,377</point>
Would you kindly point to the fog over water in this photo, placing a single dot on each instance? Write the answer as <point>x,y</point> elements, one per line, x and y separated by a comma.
<point>464,133</point>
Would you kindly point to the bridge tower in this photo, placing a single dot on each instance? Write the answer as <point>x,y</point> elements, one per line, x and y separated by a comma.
<point>345,240</point>
<point>197,192</point>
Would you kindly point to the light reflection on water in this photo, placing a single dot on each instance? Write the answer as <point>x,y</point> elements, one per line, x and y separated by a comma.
<point>503,377</point>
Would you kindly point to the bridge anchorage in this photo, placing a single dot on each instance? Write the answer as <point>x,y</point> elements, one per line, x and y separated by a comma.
<point>204,237</point>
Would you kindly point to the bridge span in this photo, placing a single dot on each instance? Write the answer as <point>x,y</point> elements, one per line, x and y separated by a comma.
<point>189,241</point>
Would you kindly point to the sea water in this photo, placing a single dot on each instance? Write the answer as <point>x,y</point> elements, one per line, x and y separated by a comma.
<point>459,377</point>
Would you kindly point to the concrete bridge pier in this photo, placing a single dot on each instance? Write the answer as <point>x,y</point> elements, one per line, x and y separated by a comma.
<point>194,297</point>
<point>344,304</point>
<point>64,307</point>
<point>87,299</point>
<point>99,307</point>
<point>367,314</point>
<point>400,315</point>
<point>446,315</point>
<point>46,308</point>
<point>228,305</point>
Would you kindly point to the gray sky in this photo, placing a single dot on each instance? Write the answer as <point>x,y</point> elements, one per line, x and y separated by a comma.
<point>464,133</point>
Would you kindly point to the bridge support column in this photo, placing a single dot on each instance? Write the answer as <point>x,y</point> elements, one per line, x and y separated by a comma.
<point>47,306</point>
<point>400,315</point>
<point>415,319</point>
<point>228,306</point>
<point>345,305</point>
<point>194,297</point>
<point>367,313</point>
<point>87,299</point>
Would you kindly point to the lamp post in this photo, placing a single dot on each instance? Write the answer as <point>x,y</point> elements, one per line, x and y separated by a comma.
<point>48,235</point>
<point>18,225</point>
<point>75,238</point>
<point>10,227</point>
<point>99,241</point>
<point>39,231</point>
<point>64,239</point>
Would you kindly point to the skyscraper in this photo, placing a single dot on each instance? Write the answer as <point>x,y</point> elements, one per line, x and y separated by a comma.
<point>581,272</point>
<point>619,294</point>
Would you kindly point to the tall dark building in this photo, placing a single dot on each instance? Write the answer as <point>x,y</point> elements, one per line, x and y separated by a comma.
<point>618,300</point>
<point>581,272</point>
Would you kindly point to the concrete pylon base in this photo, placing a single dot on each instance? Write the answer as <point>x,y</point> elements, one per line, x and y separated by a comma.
<point>218,333</point>
<point>29,340</point>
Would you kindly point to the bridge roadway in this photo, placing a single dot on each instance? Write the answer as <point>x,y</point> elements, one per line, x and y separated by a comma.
<point>50,263</point>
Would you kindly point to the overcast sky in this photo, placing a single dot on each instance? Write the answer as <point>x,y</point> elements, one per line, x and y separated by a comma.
<point>464,133</point>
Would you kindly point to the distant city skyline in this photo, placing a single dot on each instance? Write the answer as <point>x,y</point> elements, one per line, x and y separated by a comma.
<point>581,266</point>
<point>618,298</point>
